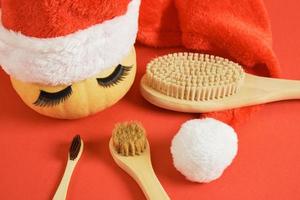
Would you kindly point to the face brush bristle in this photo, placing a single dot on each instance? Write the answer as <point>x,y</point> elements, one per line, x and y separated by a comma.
<point>75,147</point>
<point>195,77</point>
<point>129,138</point>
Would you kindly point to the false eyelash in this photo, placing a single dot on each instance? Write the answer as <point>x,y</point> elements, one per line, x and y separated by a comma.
<point>114,78</point>
<point>47,99</point>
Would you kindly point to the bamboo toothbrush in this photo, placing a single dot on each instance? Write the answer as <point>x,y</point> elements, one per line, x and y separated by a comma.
<point>191,82</point>
<point>75,152</point>
<point>131,151</point>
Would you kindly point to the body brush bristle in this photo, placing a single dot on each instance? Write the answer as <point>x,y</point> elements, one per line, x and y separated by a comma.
<point>193,76</point>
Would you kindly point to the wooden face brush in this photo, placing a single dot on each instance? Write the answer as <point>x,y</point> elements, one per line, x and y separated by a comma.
<point>198,83</point>
<point>131,151</point>
<point>75,152</point>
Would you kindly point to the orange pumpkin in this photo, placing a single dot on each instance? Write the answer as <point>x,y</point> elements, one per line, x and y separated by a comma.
<point>82,98</point>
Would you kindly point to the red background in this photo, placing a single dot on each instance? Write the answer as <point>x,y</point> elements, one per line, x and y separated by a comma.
<point>34,148</point>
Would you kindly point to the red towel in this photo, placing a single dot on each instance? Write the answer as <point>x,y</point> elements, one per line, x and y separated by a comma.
<point>238,30</point>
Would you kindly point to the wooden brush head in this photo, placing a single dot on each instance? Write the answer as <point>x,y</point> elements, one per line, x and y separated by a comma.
<point>129,138</point>
<point>193,76</point>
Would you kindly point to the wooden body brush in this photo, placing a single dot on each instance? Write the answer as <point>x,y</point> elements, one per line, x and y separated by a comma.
<point>75,152</point>
<point>131,151</point>
<point>198,83</point>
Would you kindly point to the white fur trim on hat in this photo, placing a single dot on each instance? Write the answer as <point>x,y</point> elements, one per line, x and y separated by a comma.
<point>70,58</point>
<point>203,149</point>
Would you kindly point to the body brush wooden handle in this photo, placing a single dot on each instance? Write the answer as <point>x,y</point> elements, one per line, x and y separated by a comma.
<point>266,90</point>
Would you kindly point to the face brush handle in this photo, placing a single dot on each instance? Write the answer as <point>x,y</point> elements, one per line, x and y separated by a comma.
<point>139,167</point>
<point>62,189</point>
<point>148,181</point>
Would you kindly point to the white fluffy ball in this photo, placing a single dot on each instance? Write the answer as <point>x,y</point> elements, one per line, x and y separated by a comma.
<point>203,149</point>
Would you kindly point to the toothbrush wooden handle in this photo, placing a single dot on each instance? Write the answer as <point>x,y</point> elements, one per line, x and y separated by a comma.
<point>150,184</point>
<point>61,192</point>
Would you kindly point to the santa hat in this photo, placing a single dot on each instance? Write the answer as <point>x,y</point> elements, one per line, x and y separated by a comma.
<point>238,30</point>
<point>60,42</point>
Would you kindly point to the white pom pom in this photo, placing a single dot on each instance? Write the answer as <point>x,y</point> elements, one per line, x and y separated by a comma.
<point>203,149</point>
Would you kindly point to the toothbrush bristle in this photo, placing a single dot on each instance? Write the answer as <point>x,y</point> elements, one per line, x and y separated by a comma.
<point>75,147</point>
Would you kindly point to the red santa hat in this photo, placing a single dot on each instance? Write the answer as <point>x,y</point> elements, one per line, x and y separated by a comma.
<point>238,30</point>
<point>60,42</point>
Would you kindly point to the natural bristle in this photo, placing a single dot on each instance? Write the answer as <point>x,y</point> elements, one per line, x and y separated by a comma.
<point>195,77</point>
<point>75,147</point>
<point>129,138</point>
